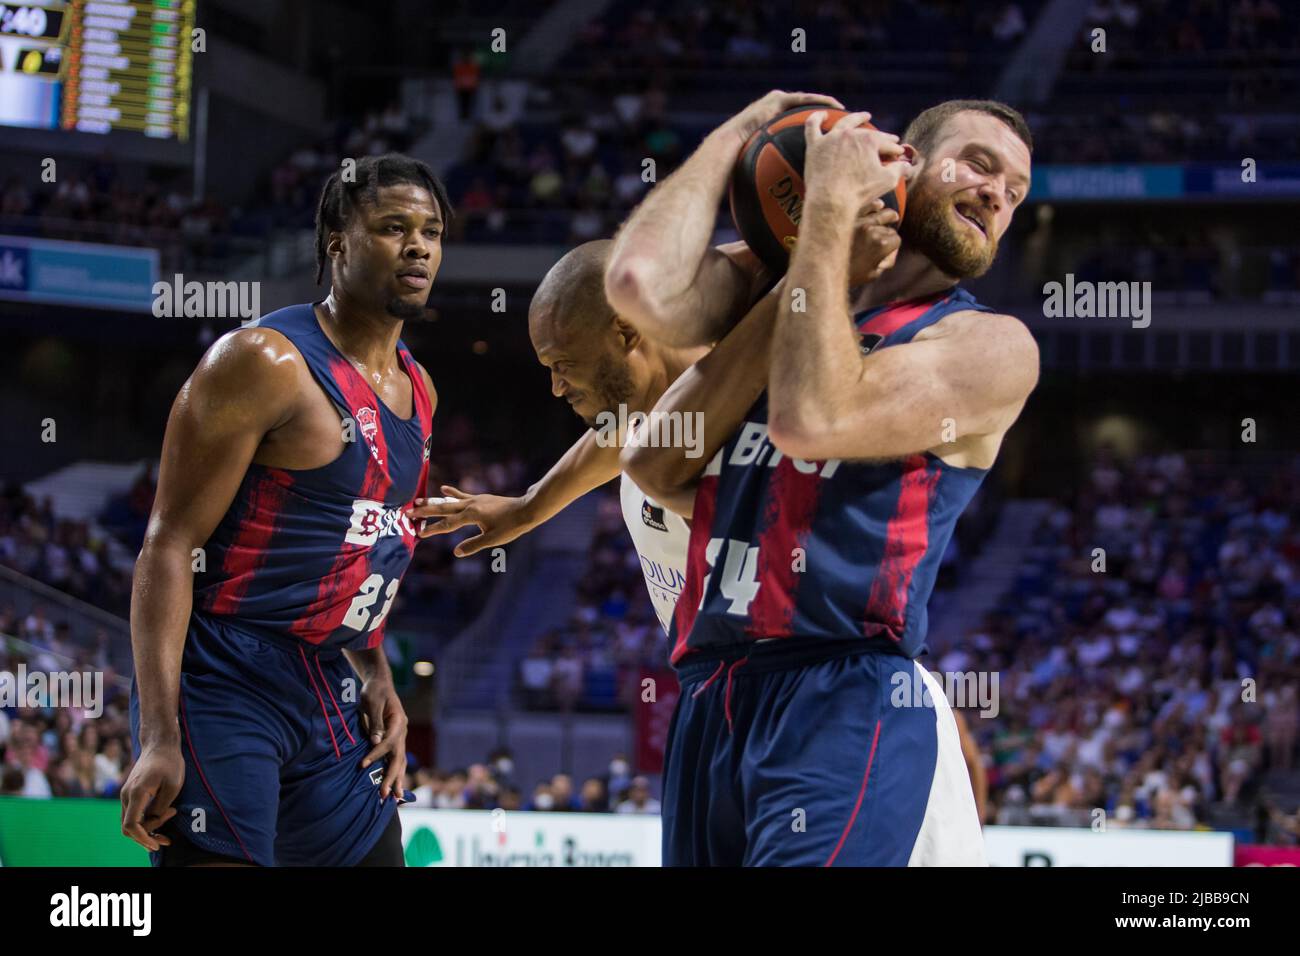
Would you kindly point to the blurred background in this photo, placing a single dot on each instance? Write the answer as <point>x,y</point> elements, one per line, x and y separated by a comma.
<point>141,140</point>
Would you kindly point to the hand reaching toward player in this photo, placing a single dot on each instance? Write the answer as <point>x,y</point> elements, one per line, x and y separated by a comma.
<point>499,519</point>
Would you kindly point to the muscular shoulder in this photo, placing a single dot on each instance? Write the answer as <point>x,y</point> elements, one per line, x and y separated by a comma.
<point>251,368</point>
<point>990,340</point>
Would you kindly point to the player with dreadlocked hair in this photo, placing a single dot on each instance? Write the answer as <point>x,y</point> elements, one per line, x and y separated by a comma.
<point>289,459</point>
<point>339,197</point>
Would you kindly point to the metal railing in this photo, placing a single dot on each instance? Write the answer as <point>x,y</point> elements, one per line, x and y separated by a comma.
<point>475,647</point>
<point>32,649</point>
<point>83,619</point>
<point>24,592</point>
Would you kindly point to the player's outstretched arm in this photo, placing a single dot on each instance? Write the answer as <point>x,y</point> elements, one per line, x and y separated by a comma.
<point>662,274</point>
<point>243,388</point>
<point>717,391</point>
<point>585,466</point>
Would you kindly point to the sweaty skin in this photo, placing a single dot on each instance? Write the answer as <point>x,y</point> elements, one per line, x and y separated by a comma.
<point>253,399</point>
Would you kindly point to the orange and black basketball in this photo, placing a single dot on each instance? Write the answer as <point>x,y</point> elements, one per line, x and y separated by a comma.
<point>767,185</point>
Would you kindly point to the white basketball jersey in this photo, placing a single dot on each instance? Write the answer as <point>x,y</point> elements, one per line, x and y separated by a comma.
<point>660,538</point>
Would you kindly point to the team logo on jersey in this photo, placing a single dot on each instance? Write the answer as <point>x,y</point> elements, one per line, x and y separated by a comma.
<point>653,516</point>
<point>377,775</point>
<point>428,447</point>
<point>368,422</point>
<point>870,340</point>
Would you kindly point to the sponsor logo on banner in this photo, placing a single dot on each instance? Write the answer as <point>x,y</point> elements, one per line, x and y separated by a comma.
<point>519,838</point>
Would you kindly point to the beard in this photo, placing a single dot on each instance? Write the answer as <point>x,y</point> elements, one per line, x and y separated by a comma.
<point>928,227</point>
<point>407,311</point>
<point>611,386</point>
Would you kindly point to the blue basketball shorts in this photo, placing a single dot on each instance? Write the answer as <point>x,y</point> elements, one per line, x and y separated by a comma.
<point>807,755</point>
<point>271,735</point>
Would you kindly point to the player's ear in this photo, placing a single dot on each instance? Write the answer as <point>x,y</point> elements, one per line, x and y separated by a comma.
<point>915,161</point>
<point>628,335</point>
<point>334,245</point>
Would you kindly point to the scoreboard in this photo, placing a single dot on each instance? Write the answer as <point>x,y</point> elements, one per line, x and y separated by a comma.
<point>97,65</point>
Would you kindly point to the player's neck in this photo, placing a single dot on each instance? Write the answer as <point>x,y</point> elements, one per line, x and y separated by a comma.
<point>913,276</point>
<point>668,365</point>
<point>367,337</point>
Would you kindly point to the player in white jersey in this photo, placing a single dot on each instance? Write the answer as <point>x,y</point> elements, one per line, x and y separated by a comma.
<point>607,372</point>
<point>660,537</point>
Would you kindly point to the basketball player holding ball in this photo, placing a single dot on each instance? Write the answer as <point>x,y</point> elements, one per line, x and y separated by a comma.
<point>821,507</point>
<point>601,365</point>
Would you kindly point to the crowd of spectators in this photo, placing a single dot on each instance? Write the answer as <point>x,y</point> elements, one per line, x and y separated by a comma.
<point>78,557</point>
<point>574,177</point>
<point>1111,131</point>
<point>95,202</point>
<point>1139,30</point>
<point>63,751</point>
<point>569,180</point>
<point>492,785</point>
<point>567,162</point>
<point>715,37</point>
<point>1163,684</point>
<point>1176,81</point>
<point>594,661</point>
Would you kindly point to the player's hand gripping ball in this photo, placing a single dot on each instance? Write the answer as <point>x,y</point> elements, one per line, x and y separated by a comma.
<point>767,186</point>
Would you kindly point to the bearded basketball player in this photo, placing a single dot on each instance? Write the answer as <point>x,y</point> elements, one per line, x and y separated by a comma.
<point>848,421</point>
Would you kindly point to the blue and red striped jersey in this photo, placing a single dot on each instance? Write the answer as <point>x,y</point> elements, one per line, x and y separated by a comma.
<point>782,547</point>
<point>319,553</point>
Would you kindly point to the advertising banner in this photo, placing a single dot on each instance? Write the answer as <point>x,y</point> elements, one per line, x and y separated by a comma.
<point>526,838</point>
<point>65,832</point>
<point>1061,846</point>
<point>77,273</point>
